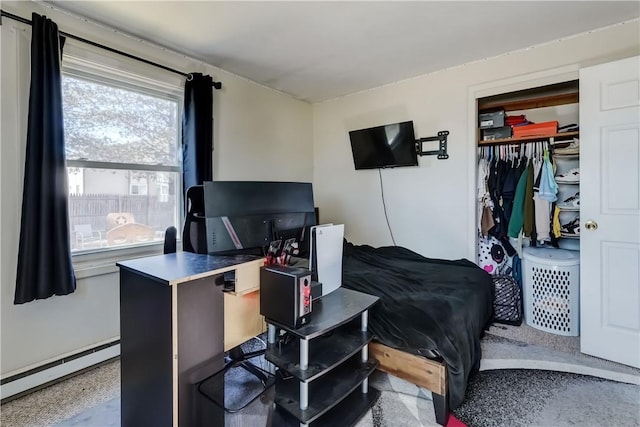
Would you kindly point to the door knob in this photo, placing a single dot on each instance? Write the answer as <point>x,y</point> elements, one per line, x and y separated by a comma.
<point>591,225</point>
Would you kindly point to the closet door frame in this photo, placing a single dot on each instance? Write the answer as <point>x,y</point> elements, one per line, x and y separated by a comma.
<point>498,87</point>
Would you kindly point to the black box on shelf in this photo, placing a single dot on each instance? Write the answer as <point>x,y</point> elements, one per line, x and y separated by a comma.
<point>497,133</point>
<point>285,295</point>
<point>492,119</point>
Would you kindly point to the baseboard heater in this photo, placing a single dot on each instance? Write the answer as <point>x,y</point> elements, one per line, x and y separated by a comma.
<point>31,380</point>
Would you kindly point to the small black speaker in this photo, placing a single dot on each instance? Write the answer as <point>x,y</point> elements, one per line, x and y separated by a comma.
<point>285,295</point>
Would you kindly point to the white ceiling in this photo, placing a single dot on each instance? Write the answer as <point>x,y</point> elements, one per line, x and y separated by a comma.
<point>321,50</point>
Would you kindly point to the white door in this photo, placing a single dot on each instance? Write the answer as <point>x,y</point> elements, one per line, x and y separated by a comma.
<point>610,211</point>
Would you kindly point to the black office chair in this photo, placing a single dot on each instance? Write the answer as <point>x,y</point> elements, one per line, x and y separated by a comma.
<point>194,236</point>
<point>194,240</point>
<point>170,240</point>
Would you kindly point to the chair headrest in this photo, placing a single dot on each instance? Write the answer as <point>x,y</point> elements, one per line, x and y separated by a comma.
<point>195,200</point>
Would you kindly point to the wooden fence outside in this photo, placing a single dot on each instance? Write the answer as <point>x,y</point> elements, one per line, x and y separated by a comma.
<point>92,209</point>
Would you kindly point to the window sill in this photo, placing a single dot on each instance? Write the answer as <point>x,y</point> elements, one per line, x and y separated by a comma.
<point>97,263</point>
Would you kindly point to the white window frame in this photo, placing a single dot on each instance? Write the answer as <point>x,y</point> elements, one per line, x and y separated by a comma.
<point>129,75</point>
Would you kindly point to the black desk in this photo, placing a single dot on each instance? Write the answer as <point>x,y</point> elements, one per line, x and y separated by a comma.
<point>172,335</point>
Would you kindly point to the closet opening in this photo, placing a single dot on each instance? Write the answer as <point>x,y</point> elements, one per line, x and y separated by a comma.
<point>528,209</point>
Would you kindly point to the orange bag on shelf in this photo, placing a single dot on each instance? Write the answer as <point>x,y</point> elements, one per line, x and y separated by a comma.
<point>538,129</point>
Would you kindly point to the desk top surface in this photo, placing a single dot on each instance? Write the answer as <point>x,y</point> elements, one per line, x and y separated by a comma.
<point>182,267</point>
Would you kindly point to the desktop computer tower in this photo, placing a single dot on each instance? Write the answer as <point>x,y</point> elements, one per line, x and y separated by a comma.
<point>285,295</point>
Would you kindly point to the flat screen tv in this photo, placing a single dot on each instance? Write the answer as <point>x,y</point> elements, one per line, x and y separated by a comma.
<point>385,146</point>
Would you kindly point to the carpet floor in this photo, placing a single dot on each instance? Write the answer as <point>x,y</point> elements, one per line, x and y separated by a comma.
<point>505,397</point>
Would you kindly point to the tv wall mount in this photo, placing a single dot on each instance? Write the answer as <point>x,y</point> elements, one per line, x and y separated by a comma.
<point>441,152</point>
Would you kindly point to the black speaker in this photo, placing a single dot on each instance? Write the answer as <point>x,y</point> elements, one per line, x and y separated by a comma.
<point>285,295</point>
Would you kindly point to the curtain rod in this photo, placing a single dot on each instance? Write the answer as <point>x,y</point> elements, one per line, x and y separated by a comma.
<point>216,85</point>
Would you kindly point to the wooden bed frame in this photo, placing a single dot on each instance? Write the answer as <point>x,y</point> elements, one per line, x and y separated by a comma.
<point>423,372</point>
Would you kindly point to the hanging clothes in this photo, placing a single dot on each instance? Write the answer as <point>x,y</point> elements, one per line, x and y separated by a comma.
<point>486,221</point>
<point>546,194</point>
<point>493,189</point>
<point>484,214</point>
<point>541,207</point>
<point>497,173</point>
<point>510,184</point>
<point>483,172</point>
<point>543,226</point>
<point>548,189</point>
<point>529,219</point>
<point>556,222</point>
<point>516,220</point>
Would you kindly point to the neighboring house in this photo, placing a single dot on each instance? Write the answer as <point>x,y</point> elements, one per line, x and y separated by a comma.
<point>100,181</point>
<point>111,181</point>
<point>261,134</point>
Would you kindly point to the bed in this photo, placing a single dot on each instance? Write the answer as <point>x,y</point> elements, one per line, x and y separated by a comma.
<point>430,319</point>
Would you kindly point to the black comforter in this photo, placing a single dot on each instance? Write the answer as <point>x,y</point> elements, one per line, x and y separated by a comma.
<point>425,304</point>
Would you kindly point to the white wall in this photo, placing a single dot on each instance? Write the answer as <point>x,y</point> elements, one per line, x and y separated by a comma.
<point>258,134</point>
<point>430,207</point>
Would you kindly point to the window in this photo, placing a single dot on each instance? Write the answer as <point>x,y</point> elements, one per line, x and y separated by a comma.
<point>138,185</point>
<point>163,190</point>
<point>122,148</point>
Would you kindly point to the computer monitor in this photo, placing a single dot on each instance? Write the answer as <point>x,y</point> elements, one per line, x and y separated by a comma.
<point>245,216</point>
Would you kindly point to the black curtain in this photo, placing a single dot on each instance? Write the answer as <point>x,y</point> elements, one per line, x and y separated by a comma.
<point>197,131</point>
<point>44,256</point>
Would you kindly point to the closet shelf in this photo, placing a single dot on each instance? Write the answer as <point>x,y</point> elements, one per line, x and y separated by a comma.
<point>571,97</point>
<point>526,139</point>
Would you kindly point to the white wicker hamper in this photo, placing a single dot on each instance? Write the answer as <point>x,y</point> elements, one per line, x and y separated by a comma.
<point>552,290</point>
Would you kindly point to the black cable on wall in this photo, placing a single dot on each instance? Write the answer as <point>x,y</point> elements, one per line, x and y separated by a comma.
<point>384,205</point>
